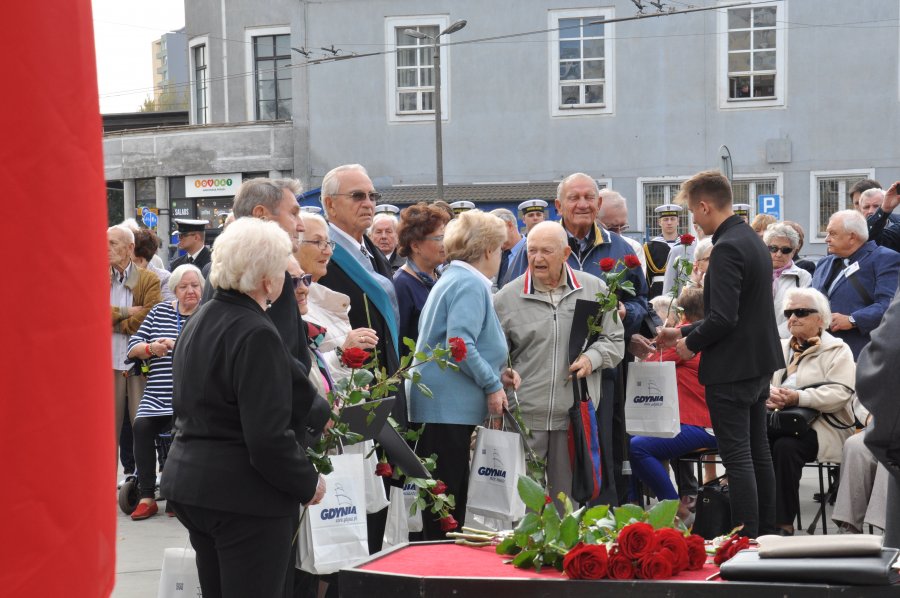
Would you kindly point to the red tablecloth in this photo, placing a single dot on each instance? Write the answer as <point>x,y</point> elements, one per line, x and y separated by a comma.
<point>453,560</point>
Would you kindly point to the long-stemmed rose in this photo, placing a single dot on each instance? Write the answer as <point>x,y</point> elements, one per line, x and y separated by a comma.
<point>617,285</point>
<point>586,561</point>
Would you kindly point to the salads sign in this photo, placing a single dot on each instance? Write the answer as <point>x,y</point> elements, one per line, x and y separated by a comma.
<point>212,184</point>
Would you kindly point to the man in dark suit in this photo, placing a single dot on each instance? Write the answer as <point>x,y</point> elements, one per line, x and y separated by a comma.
<point>741,349</point>
<point>361,271</point>
<point>858,277</point>
<point>192,239</point>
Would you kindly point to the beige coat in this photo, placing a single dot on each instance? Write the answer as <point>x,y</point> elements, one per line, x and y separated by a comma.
<point>832,362</point>
<point>329,309</point>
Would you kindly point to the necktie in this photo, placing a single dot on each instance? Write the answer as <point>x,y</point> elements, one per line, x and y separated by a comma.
<point>190,260</point>
<point>837,272</point>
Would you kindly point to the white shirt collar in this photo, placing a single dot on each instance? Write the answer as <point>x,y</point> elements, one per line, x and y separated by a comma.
<point>484,279</point>
<point>349,239</point>
<point>194,255</point>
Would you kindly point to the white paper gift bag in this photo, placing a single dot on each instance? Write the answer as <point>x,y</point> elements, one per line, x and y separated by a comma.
<point>179,578</point>
<point>333,533</point>
<point>651,400</point>
<point>498,462</point>
<point>376,498</point>
<point>396,530</point>
<point>410,494</point>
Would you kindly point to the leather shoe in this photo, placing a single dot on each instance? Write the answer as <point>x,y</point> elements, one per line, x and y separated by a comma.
<point>144,511</point>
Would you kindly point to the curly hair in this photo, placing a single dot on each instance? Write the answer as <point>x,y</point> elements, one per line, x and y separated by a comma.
<point>417,222</point>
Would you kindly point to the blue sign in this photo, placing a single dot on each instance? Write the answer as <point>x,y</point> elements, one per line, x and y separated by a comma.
<point>769,204</point>
<point>150,219</point>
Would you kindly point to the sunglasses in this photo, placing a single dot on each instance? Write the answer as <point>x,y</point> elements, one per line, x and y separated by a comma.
<point>800,312</point>
<point>783,250</point>
<point>305,280</point>
<point>362,195</point>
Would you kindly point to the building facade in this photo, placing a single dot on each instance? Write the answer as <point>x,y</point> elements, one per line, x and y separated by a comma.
<point>803,96</point>
<point>170,71</point>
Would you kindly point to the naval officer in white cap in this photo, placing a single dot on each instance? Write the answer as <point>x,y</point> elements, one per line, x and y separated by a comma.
<point>533,212</point>
<point>656,250</point>
<point>459,207</point>
<point>192,240</point>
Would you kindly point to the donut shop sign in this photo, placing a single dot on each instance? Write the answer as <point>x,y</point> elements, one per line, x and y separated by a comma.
<point>212,185</point>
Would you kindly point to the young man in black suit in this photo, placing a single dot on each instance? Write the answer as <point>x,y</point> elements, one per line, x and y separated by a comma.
<point>741,349</point>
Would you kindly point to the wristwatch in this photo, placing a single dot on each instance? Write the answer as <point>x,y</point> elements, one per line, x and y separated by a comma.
<point>852,321</point>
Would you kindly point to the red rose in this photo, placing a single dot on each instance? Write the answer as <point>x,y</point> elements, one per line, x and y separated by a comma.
<point>586,561</point>
<point>457,348</point>
<point>731,547</point>
<point>637,540</point>
<point>547,500</point>
<point>686,239</point>
<point>439,488</point>
<point>631,261</point>
<point>448,523</point>
<point>354,357</point>
<point>384,469</point>
<point>675,541</point>
<point>657,565</point>
<point>696,552</point>
<point>621,567</point>
<point>607,264</point>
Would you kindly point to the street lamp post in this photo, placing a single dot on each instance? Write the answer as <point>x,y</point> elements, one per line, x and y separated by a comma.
<point>436,102</point>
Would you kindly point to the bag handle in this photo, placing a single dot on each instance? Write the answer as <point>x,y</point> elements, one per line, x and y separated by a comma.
<point>830,418</point>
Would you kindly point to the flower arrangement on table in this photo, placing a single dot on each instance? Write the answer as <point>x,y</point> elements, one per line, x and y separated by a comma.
<point>367,383</point>
<point>598,542</point>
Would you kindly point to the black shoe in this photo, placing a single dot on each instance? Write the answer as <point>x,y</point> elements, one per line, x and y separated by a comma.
<point>783,532</point>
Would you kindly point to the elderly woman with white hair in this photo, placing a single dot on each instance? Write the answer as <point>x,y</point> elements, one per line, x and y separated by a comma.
<point>236,473</point>
<point>460,305</point>
<point>153,344</point>
<point>821,375</point>
<point>783,241</point>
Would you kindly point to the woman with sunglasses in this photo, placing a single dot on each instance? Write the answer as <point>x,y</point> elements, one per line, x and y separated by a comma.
<point>783,242</point>
<point>820,375</point>
<point>421,242</point>
<point>328,310</point>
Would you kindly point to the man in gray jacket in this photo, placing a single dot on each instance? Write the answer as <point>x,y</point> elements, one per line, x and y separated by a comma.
<point>536,312</point>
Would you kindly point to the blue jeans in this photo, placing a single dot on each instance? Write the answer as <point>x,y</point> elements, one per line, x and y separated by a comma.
<point>648,453</point>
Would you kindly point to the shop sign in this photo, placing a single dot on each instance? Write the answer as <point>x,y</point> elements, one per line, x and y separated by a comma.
<point>212,185</point>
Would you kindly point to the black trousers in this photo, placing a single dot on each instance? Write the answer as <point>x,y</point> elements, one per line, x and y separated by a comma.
<point>450,442</point>
<point>126,446</point>
<point>789,455</point>
<point>738,414</point>
<point>238,555</point>
<point>146,429</point>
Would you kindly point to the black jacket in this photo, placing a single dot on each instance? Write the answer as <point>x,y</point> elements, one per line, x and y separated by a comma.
<point>234,448</point>
<point>202,260</point>
<point>738,335</point>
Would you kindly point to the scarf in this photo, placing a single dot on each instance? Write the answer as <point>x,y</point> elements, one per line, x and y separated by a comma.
<point>776,274</point>
<point>798,351</point>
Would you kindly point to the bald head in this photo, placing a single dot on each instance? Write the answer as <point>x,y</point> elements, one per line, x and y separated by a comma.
<point>548,250</point>
<point>548,231</point>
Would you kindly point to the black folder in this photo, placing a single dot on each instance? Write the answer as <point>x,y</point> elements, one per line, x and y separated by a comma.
<point>846,570</point>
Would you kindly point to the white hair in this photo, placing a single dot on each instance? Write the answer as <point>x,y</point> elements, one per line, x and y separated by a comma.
<point>331,183</point>
<point>310,217</point>
<point>131,223</point>
<point>778,230</point>
<point>385,216</point>
<point>550,227</point>
<point>180,271</point>
<point>248,251</point>
<point>129,234</point>
<point>853,222</point>
<point>703,249</point>
<point>871,193</point>
<point>819,300</point>
<point>570,178</point>
<point>611,199</point>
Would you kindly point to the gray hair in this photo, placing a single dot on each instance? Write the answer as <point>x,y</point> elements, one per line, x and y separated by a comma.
<point>262,192</point>
<point>549,226</point>
<point>611,199</point>
<point>505,215</point>
<point>310,217</point>
<point>129,234</point>
<point>385,216</point>
<point>778,230</point>
<point>570,178</point>
<point>180,271</point>
<point>871,193</point>
<point>819,300</point>
<point>473,233</point>
<point>853,222</point>
<point>703,248</point>
<point>331,183</point>
<point>247,252</point>
<point>131,223</point>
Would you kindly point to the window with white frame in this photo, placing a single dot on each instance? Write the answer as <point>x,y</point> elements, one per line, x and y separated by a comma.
<point>748,190</point>
<point>409,68</point>
<point>830,194</point>
<point>272,76</point>
<point>658,193</point>
<point>752,43</point>
<point>201,83</point>
<point>581,61</point>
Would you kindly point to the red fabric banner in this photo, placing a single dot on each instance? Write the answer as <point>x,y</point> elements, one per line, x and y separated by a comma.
<point>57,487</point>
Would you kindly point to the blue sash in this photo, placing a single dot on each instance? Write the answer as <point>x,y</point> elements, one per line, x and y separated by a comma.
<point>376,295</point>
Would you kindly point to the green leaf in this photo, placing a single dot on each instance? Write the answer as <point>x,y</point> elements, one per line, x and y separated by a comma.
<point>524,559</point>
<point>409,343</point>
<point>663,514</point>
<point>362,378</point>
<point>508,546</point>
<point>420,356</point>
<point>528,524</point>
<point>531,492</point>
<point>626,514</point>
<point>551,523</point>
<point>425,390</point>
<point>595,514</point>
<point>568,531</point>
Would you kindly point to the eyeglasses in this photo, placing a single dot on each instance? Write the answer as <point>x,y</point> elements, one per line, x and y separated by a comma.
<point>305,280</point>
<point>322,244</point>
<point>438,238</point>
<point>783,250</point>
<point>362,195</point>
<point>800,312</point>
<point>618,229</point>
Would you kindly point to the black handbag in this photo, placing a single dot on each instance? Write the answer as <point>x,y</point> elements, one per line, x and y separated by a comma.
<point>713,516</point>
<point>793,421</point>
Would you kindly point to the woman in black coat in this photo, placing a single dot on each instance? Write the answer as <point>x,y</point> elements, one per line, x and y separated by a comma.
<point>236,473</point>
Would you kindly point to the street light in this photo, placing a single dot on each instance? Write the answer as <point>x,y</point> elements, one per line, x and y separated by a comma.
<point>436,60</point>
